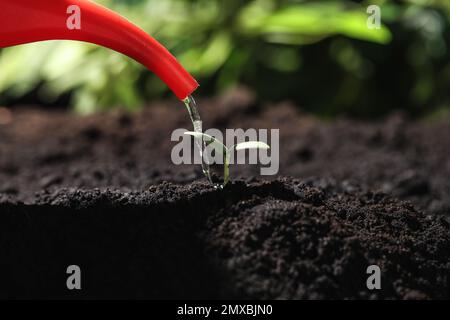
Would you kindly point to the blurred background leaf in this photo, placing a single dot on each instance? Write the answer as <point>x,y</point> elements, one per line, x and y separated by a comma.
<point>319,54</point>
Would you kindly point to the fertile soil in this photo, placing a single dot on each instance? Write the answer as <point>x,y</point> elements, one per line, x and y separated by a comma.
<point>101,192</point>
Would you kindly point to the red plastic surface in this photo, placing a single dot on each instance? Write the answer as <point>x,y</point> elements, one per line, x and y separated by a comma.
<point>26,21</point>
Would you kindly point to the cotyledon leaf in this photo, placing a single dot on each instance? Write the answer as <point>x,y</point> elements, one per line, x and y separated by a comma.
<point>252,145</point>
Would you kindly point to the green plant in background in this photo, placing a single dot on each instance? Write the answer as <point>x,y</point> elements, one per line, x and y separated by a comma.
<point>318,53</point>
<point>226,152</point>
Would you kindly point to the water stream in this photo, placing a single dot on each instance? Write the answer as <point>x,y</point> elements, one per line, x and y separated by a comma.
<point>197,124</point>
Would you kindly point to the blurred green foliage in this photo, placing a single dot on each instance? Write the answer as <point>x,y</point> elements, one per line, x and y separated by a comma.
<point>319,54</point>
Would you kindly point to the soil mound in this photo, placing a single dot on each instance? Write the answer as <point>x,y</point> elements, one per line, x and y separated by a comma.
<point>281,239</point>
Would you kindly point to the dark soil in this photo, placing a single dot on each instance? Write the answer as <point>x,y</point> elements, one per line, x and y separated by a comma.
<point>101,192</point>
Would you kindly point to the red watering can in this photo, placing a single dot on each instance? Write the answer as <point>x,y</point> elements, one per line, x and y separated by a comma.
<point>26,21</point>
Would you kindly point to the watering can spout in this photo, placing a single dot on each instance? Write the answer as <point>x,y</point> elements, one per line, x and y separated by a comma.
<point>26,21</point>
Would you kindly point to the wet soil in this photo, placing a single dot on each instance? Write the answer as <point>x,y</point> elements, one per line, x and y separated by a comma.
<point>101,192</point>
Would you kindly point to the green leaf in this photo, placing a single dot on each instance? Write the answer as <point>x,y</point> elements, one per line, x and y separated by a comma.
<point>303,23</point>
<point>209,58</point>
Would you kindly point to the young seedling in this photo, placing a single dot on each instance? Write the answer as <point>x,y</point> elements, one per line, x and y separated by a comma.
<point>226,152</point>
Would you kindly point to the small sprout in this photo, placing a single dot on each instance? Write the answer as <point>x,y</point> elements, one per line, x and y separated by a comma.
<point>226,153</point>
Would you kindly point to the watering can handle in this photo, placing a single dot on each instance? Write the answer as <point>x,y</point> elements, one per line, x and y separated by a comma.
<point>26,21</point>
